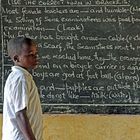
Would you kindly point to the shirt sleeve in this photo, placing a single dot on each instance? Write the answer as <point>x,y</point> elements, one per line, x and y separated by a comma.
<point>20,95</point>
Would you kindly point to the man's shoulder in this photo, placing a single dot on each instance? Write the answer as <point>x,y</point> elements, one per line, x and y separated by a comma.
<point>16,76</point>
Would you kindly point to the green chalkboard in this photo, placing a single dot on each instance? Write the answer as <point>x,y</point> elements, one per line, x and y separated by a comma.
<point>89,52</point>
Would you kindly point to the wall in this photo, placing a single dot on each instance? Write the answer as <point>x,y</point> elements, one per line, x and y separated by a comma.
<point>90,127</point>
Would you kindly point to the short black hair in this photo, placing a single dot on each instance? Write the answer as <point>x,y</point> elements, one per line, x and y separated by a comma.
<point>15,45</point>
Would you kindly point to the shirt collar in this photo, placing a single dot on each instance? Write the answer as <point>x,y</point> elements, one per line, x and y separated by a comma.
<point>18,68</point>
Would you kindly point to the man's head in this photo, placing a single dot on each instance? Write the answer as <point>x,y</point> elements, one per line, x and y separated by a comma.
<point>23,52</point>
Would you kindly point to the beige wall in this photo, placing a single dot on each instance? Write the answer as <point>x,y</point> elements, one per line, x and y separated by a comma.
<point>90,127</point>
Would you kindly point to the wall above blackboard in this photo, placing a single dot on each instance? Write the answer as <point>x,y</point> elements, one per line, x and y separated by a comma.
<point>89,52</point>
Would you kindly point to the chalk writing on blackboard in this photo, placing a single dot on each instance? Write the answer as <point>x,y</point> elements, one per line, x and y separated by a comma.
<point>89,52</point>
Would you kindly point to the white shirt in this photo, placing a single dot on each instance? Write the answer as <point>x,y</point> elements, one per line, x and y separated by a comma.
<point>21,92</point>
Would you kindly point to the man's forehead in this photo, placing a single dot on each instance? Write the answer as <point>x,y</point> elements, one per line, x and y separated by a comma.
<point>29,48</point>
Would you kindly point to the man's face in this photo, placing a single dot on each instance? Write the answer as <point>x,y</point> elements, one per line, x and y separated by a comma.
<point>28,56</point>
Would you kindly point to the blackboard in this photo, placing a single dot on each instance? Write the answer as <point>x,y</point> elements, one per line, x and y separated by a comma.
<point>89,52</point>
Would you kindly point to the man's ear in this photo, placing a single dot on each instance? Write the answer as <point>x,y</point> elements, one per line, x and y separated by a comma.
<point>16,58</point>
